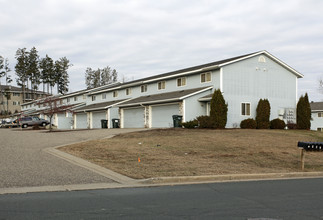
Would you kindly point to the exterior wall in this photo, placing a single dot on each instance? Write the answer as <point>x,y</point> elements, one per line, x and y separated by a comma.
<point>192,81</point>
<point>249,80</point>
<point>200,108</point>
<point>113,113</point>
<point>317,122</point>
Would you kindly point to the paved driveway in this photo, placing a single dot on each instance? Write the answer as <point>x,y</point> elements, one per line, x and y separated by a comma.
<point>23,163</point>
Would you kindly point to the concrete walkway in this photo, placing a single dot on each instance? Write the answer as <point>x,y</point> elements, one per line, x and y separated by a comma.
<point>26,161</point>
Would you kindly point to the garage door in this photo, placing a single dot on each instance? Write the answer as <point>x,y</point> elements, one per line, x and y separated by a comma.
<point>161,116</point>
<point>96,119</point>
<point>134,118</point>
<point>81,120</point>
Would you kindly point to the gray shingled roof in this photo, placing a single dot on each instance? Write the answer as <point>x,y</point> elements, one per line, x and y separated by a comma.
<point>98,106</point>
<point>162,97</point>
<point>316,106</point>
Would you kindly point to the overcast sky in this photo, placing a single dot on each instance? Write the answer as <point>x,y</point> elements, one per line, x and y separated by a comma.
<point>141,38</point>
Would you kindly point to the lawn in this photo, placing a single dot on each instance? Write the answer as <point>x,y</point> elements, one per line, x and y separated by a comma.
<point>184,152</point>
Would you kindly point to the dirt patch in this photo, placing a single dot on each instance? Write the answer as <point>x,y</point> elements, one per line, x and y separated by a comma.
<point>182,152</point>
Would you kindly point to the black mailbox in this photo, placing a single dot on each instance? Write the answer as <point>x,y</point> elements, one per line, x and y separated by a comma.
<point>311,146</point>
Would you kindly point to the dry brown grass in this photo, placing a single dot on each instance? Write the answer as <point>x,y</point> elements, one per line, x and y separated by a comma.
<point>182,152</point>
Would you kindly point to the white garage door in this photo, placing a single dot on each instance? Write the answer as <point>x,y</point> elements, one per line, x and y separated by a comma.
<point>134,118</point>
<point>81,120</point>
<point>96,119</point>
<point>162,115</point>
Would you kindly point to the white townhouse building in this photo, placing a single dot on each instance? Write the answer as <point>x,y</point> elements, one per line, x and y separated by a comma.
<point>317,116</point>
<point>152,101</point>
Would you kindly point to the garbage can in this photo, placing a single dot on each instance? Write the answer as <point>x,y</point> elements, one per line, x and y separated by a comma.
<point>177,120</point>
<point>104,123</point>
<point>115,123</point>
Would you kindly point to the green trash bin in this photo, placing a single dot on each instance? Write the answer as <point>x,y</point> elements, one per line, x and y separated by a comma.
<point>115,123</point>
<point>177,120</point>
<point>104,123</point>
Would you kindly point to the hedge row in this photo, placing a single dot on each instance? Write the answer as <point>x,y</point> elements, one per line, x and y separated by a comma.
<point>252,124</point>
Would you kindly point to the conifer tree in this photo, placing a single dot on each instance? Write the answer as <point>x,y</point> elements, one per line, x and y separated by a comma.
<point>303,113</point>
<point>263,114</point>
<point>219,110</point>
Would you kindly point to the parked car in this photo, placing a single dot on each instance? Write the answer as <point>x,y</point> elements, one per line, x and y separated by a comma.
<point>31,121</point>
<point>9,124</point>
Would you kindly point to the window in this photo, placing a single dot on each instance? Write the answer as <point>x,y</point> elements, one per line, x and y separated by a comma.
<point>104,96</point>
<point>143,88</point>
<point>319,129</point>
<point>14,103</point>
<point>128,91</point>
<point>93,97</point>
<point>320,114</point>
<point>68,100</point>
<point>161,85</point>
<point>262,59</point>
<point>181,81</point>
<point>206,77</point>
<point>245,109</point>
<point>16,94</point>
<point>75,98</point>
<point>115,94</point>
<point>84,96</point>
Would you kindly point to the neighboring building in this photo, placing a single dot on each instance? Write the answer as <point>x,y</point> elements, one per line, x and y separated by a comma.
<point>11,98</point>
<point>151,102</point>
<point>317,116</point>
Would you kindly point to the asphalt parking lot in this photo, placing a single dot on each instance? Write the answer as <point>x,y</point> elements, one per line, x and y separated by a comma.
<point>24,163</point>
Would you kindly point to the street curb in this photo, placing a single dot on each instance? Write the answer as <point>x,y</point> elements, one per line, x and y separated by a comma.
<point>230,177</point>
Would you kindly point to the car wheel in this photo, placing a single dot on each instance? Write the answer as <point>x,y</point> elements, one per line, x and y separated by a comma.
<point>24,126</point>
<point>43,124</point>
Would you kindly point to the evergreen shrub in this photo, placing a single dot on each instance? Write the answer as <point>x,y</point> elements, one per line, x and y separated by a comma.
<point>249,123</point>
<point>277,124</point>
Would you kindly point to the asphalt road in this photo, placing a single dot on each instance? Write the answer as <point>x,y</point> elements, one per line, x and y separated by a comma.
<point>254,200</point>
<point>23,162</point>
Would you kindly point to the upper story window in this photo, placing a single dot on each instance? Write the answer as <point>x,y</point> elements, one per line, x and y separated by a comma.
<point>68,100</point>
<point>104,96</point>
<point>181,81</point>
<point>16,94</point>
<point>115,93</point>
<point>128,91</point>
<point>320,114</point>
<point>161,85</point>
<point>93,97</point>
<point>245,109</point>
<point>75,98</point>
<point>262,59</point>
<point>143,88</point>
<point>84,96</point>
<point>206,77</point>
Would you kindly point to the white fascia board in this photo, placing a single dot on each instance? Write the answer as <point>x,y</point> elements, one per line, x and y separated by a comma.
<point>100,87</point>
<point>150,102</point>
<point>195,93</point>
<point>182,74</point>
<point>298,74</point>
<point>104,90</point>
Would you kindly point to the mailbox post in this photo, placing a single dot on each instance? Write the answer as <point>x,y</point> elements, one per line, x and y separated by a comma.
<point>308,146</point>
